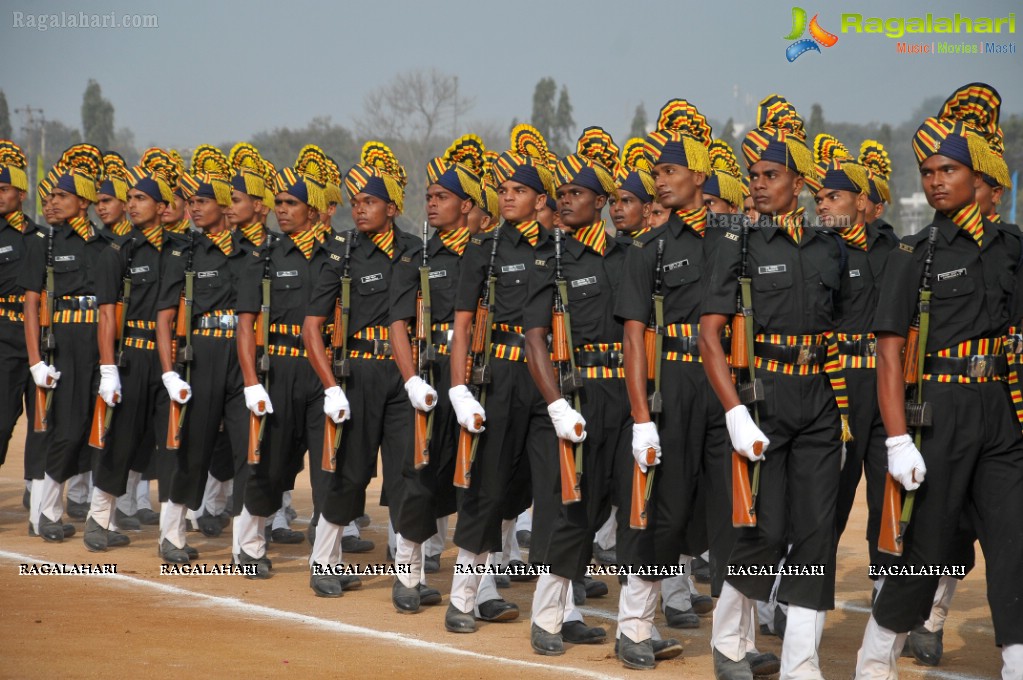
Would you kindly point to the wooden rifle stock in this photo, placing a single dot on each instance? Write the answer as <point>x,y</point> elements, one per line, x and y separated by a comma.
<point>740,355</point>
<point>559,338</point>
<point>570,491</point>
<point>910,355</point>
<point>463,460</point>
<point>650,346</point>
<point>744,514</point>
<point>255,434</point>
<point>174,424</point>
<point>118,319</point>
<point>889,541</point>
<point>421,454</point>
<point>329,461</point>
<point>641,492</point>
<point>40,423</point>
<point>479,328</point>
<point>102,415</point>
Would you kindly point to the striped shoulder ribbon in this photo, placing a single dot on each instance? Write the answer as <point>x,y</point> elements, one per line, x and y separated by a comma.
<point>254,233</point>
<point>179,227</point>
<point>121,228</point>
<point>529,230</point>
<point>697,219</point>
<point>304,241</point>
<point>455,240</point>
<point>17,220</point>
<point>969,220</point>
<point>792,224</point>
<point>223,241</point>
<point>154,235</point>
<point>593,237</point>
<point>385,242</point>
<point>856,236</point>
<point>81,226</point>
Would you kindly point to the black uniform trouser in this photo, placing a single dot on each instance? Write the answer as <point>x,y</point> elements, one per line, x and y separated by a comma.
<point>216,381</point>
<point>798,488</point>
<point>865,454</point>
<point>716,492</point>
<point>691,423</point>
<point>35,442</point>
<point>381,421</point>
<point>605,407</point>
<point>132,418</point>
<point>519,440</point>
<point>77,360</point>
<point>974,457</point>
<point>295,425</point>
<point>429,493</point>
<point>14,376</point>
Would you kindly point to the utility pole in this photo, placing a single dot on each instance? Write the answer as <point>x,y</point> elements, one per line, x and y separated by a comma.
<point>35,118</point>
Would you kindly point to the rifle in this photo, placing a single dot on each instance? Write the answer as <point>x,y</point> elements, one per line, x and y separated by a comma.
<point>744,492</point>
<point>897,511</point>
<point>653,341</point>
<point>569,380</point>
<point>102,415</point>
<point>185,352</point>
<point>48,343</point>
<point>424,354</point>
<point>341,363</point>
<point>477,367</point>
<point>257,424</point>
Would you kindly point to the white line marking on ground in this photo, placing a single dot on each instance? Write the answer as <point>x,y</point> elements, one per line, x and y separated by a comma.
<point>323,624</point>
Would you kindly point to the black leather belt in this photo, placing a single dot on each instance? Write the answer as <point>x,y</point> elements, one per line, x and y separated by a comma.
<point>146,334</point>
<point>977,366</point>
<point>222,322</point>
<point>380,348</point>
<point>286,340</point>
<point>74,303</point>
<point>795,355</point>
<point>864,347</point>
<point>508,339</point>
<point>687,344</point>
<point>441,338</point>
<point>612,358</point>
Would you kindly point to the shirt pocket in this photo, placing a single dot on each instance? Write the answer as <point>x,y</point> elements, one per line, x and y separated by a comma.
<point>953,298</point>
<point>371,284</point>
<point>63,266</point>
<point>584,289</point>
<point>144,276</point>
<point>440,282</point>
<point>772,293</point>
<point>11,252</point>
<point>285,283</point>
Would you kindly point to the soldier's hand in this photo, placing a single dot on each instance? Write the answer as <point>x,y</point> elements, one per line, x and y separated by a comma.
<point>422,396</point>
<point>178,389</point>
<point>466,408</point>
<point>905,462</point>
<point>744,433</point>
<point>44,375</point>
<point>335,404</point>
<point>256,396</point>
<point>644,440</point>
<point>568,423</point>
<point>109,384</point>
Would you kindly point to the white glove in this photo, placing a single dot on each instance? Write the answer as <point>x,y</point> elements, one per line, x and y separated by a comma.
<point>176,387</point>
<point>567,421</point>
<point>744,433</point>
<point>466,408</point>
<point>255,394</point>
<point>109,384</point>
<point>905,462</point>
<point>422,396</point>
<point>335,404</point>
<point>44,376</point>
<point>644,438</point>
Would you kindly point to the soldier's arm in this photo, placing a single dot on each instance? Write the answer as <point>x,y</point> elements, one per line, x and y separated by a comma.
<point>246,338</point>
<point>891,386</point>
<point>460,346</point>
<point>106,333</point>
<point>31,315</point>
<point>719,304</point>
<point>715,365</point>
<point>537,321</point>
<point>634,349</point>
<point>401,349</point>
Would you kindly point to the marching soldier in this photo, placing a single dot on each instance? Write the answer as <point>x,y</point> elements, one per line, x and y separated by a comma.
<point>795,272</point>
<point>112,194</point>
<point>874,157</point>
<point>62,264</point>
<point>452,194</point>
<point>210,260</point>
<point>127,344</point>
<point>380,406</point>
<point>630,208</point>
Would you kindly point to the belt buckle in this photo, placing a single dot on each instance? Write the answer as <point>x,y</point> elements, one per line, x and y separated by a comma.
<point>382,348</point>
<point>1014,344</point>
<point>978,366</point>
<point>225,322</point>
<point>805,356</point>
<point>617,359</point>
<point>871,347</point>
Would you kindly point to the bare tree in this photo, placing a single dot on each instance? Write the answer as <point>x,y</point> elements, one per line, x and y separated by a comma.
<point>418,114</point>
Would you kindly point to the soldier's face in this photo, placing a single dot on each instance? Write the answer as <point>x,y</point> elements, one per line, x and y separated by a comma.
<point>988,198</point>
<point>242,209</point>
<point>774,187</point>
<point>174,212</point>
<point>292,214</point>
<point>518,202</point>
<point>143,211</point>
<point>445,210</point>
<point>750,210</point>
<point>677,186</point>
<point>716,205</point>
<point>839,209</point>
<point>658,215</point>
<point>49,214</point>
<point>66,205</point>
<point>109,209</point>
<point>474,220</point>
<point>947,183</point>
<point>371,214</point>
<point>11,198</point>
<point>206,212</point>
<point>628,212</point>
<point>578,206</point>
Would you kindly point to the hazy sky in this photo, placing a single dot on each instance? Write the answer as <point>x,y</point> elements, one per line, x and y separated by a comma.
<point>215,71</point>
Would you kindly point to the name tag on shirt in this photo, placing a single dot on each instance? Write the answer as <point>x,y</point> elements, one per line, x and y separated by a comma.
<point>954,274</point>
<point>372,277</point>
<point>439,274</point>
<point>207,275</point>
<point>772,269</point>
<point>140,270</point>
<point>676,265</point>
<point>854,273</point>
<point>588,281</point>
<point>290,272</point>
<point>513,268</point>
<point>64,258</point>
<point>6,249</point>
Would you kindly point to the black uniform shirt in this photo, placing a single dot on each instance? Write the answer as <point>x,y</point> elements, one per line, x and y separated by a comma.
<point>444,264</point>
<point>74,261</point>
<point>134,250</point>
<point>371,273</point>
<point>592,285</point>
<point>793,286</point>
<point>215,275</point>
<point>862,281</point>
<point>684,267</point>
<point>292,277</point>
<point>13,248</point>
<point>515,257</point>
<point>973,290</point>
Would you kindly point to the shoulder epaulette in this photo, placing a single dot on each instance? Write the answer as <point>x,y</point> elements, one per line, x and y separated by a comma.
<point>41,234</point>
<point>406,258</point>
<point>906,247</point>
<point>335,256</point>
<point>478,240</point>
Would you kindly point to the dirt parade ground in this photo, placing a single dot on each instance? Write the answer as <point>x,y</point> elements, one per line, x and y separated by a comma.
<point>139,624</point>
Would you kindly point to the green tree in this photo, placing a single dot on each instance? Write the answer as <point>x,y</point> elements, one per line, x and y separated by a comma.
<point>5,117</point>
<point>726,135</point>
<point>815,125</point>
<point>564,125</point>
<point>97,117</point>
<point>545,114</point>
<point>639,122</point>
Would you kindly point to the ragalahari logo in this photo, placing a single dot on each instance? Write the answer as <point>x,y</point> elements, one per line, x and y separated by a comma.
<point>818,36</point>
